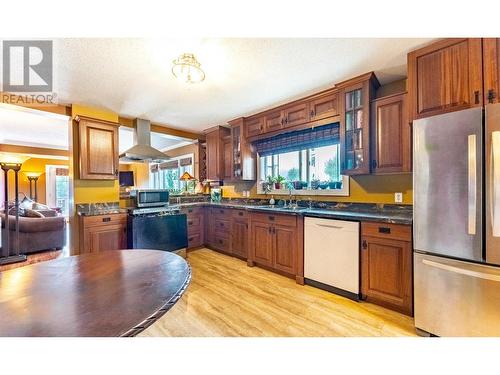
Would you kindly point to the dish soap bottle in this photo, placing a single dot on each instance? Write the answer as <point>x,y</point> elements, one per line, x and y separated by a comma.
<point>272,201</point>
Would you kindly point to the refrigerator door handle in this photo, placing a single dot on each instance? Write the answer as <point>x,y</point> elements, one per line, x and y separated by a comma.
<point>495,183</point>
<point>463,271</point>
<point>472,184</point>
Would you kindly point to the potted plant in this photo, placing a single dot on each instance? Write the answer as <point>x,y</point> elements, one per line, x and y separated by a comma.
<point>332,185</point>
<point>297,185</point>
<point>268,184</point>
<point>323,185</point>
<point>315,184</point>
<point>278,182</point>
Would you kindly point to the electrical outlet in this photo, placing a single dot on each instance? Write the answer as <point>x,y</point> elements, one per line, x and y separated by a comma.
<point>398,197</point>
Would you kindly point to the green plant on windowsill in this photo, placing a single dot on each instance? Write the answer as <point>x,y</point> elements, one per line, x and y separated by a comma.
<point>279,181</point>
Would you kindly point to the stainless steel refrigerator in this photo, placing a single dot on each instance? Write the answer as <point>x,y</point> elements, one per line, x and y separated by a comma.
<point>456,228</point>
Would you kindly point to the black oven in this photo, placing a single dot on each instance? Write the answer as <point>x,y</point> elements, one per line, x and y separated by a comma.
<point>149,197</point>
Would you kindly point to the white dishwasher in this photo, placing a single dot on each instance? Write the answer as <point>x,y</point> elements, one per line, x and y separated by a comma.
<point>331,255</point>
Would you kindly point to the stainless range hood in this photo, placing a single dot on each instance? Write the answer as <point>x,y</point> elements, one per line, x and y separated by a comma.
<point>142,152</point>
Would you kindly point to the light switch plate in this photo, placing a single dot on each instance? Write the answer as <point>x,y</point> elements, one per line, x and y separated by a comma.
<point>398,197</point>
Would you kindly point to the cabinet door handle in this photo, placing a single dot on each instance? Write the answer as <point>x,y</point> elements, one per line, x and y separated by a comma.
<point>190,239</point>
<point>286,120</point>
<point>271,218</point>
<point>269,230</point>
<point>384,230</point>
<point>476,97</point>
<point>221,211</point>
<point>365,245</point>
<point>106,219</point>
<point>240,213</point>
<point>312,113</point>
<point>190,222</point>
<point>491,96</point>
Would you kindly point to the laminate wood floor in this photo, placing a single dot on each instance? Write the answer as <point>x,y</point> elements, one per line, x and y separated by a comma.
<point>228,298</point>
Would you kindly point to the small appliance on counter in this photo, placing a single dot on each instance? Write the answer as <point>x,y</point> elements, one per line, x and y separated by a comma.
<point>152,224</point>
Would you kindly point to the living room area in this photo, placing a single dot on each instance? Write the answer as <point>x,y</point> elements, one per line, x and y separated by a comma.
<point>35,170</point>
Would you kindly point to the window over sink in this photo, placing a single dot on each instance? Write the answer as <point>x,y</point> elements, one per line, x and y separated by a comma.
<point>307,162</point>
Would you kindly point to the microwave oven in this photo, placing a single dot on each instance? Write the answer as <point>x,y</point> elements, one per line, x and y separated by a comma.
<point>149,197</point>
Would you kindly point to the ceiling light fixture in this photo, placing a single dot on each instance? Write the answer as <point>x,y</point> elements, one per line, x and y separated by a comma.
<point>187,69</point>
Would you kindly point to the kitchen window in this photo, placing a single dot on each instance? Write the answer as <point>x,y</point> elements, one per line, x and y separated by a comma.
<point>166,175</point>
<point>308,162</point>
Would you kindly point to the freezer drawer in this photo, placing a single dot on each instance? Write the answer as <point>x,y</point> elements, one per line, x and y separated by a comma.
<point>331,253</point>
<point>456,298</point>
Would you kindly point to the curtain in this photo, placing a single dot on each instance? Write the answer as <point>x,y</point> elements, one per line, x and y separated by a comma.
<point>320,136</point>
<point>171,164</point>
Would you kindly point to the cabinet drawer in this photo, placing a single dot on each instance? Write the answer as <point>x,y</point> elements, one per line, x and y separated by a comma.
<point>239,214</point>
<point>222,243</point>
<point>192,211</point>
<point>222,227</point>
<point>383,230</point>
<point>100,220</point>
<point>194,223</point>
<point>220,211</point>
<point>194,240</point>
<point>280,219</point>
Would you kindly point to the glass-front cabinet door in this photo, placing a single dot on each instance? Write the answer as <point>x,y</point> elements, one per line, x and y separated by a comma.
<point>236,148</point>
<point>355,128</point>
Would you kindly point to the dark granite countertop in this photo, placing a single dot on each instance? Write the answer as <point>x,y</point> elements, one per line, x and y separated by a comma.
<point>394,214</point>
<point>96,209</point>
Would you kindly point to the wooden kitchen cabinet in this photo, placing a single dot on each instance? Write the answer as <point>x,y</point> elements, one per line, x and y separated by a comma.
<point>262,243</point>
<point>324,107</point>
<point>386,266</point>
<point>103,232</point>
<point>445,76</point>
<point>491,70</point>
<point>391,135</point>
<point>239,238</point>
<point>98,149</point>
<point>195,226</point>
<point>274,121</point>
<point>254,126</point>
<point>276,242</point>
<point>243,155</point>
<point>355,124</point>
<point>296,114</point>
<point>215,147</point>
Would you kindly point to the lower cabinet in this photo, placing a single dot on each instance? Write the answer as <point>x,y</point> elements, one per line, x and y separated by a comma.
<point>195,226</point>
<point>276,242</point>
<point>105,232</point>
<point>386,266</point>
<point>239,238</point>
<point>227,231</point>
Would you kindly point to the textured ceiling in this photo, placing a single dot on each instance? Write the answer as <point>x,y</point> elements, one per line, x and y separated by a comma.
<point>26,127</point>
<point>133,76</point>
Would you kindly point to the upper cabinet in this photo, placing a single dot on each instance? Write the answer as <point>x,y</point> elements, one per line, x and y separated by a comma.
<point>242,154</point>
<point>324,106</point>
<point>445,76</point>
<point>491,69</point>
<point>315,110</point>
<point>355,124</point>
<point>391,136</point>
<point>254,126</point>
<point>217,143</point>
<point>296,114</point>
<point>98,148</point>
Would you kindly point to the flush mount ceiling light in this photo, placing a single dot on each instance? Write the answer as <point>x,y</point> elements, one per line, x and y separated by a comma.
<point>187,69</point>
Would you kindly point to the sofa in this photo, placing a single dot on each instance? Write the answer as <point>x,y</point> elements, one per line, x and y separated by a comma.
<point>36,233</point>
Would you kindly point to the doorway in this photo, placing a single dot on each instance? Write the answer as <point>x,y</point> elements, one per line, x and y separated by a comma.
<point>57,188</point>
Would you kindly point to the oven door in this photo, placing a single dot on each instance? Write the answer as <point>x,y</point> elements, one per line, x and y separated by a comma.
<point>167,233</point>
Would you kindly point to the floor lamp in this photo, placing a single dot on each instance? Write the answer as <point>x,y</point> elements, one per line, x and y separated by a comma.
<point>10,162</point>
<point>33,179</point>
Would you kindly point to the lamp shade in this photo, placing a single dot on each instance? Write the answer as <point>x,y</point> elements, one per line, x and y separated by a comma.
<point>10,158</point>
<point>33,174</point>
<point>186,177</point>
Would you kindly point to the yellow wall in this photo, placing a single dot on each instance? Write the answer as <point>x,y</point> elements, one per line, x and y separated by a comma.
<point>363,189</point>
<point>89,191</point>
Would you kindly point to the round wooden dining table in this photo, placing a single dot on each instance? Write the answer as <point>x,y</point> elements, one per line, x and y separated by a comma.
<point>111,293</point>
